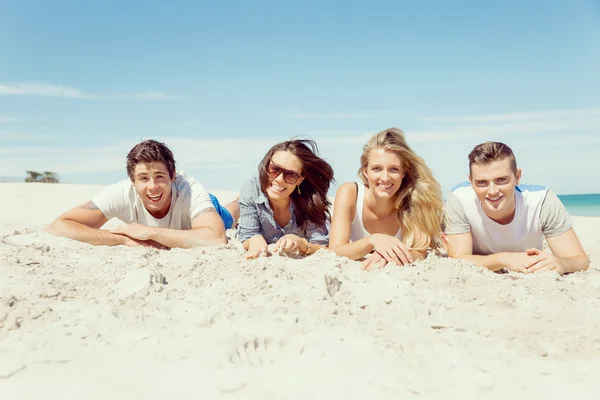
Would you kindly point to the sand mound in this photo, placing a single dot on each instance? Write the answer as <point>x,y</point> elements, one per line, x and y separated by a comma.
<point>83,322</point>
<point>98,322</point>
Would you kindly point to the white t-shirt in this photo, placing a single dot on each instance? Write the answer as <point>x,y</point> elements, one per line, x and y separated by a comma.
<point>188,199</point>
<point>539,213</point>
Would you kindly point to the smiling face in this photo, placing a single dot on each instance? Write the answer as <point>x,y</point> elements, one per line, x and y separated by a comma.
<point>282,185</point>
<point>494,185</point>
<point>384,173</point>
<point>153,184</point>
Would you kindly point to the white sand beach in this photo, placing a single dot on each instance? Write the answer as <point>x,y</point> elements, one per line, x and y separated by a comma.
<point>84,322</point>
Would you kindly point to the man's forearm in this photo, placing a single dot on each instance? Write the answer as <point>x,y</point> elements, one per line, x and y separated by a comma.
<point>493,262</point>
<point>576,263</point>
<point>187,238</point>
<point>76,231</point>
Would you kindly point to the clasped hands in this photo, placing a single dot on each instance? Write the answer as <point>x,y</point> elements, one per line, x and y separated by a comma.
<point>134,235</point>
<point>533,260</point>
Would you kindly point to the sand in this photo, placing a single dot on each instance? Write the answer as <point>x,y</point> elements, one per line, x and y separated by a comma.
<point>78,321</point>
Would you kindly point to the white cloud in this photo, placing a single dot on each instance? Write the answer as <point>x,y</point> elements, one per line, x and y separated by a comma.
<point>6,119</point>
<point>41,89</point>
<point>561,161</point>
<point>496,127</point>
<point>20,136</point>
<point>297,113</point>
<point>235,158</point>
<point>513,117</point>
<point>553,147</point>
<point>189,154</point>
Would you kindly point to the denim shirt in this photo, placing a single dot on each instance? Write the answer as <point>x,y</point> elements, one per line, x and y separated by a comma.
<point>256,217</point>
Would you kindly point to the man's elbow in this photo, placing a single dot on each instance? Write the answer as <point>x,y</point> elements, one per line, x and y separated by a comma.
<point>54,228</point>
<point>221,239</point>
<point>585,262</point>
<point>215,238</point>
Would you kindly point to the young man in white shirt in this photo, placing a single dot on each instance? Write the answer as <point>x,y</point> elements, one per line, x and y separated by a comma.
<point>497,223</point>
<point>161,208</point>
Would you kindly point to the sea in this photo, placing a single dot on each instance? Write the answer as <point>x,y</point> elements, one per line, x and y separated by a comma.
<point>582,205</point>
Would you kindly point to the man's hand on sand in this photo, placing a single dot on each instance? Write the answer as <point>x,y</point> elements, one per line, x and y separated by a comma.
<point>541,261</point>
<point>134,231</point>
<point>517,262</point>
<point>136,235</point>
<point>129,242</point>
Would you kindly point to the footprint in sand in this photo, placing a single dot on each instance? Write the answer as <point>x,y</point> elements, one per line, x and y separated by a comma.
<point>265,351</point>
<point>333,285</point>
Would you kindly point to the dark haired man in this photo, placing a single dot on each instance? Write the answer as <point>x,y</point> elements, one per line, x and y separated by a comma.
<point>162,208</point>
<point>497,223</point>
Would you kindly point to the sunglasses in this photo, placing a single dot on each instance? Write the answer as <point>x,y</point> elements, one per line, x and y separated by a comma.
<point>289,177</point>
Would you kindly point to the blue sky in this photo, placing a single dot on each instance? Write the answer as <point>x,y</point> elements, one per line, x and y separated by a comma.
<point>222,81</point>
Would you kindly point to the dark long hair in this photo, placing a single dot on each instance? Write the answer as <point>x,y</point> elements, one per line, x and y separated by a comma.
<point>312,205</point>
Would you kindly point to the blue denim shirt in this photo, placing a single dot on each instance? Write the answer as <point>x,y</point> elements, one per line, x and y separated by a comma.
<point>256,217</point>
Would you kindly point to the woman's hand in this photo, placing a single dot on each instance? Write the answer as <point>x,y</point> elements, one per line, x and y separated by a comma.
<point>373,260</point>
<point>257,247</point>
<point>290,244</point>
<point>391,249</point>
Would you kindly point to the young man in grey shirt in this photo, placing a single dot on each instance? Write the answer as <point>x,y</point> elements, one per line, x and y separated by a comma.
<point>497,223</point>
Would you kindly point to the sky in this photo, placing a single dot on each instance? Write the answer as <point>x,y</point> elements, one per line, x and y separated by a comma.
<point>220,82</point>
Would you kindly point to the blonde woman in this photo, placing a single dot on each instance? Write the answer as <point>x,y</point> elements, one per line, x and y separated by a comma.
<point>395,214</point>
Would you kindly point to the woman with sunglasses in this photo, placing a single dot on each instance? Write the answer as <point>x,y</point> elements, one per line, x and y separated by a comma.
<point>286,202</point>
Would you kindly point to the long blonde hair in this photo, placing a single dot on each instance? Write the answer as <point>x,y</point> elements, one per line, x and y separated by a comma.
<point>419,199</point>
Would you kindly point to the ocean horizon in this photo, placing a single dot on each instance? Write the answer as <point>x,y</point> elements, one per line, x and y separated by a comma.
<point>582,205</point>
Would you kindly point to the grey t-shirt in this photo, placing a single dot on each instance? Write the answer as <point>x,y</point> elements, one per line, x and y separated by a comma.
<point>539,214</point>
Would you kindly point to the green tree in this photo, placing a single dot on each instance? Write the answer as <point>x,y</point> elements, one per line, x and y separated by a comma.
<point>32,176</point>
<point>44,177</point>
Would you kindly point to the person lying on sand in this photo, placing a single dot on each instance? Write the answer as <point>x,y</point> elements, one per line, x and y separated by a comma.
<point>162,208</point>
<point>497,223</point>
<point>286,202</point>
<point>395,213</point>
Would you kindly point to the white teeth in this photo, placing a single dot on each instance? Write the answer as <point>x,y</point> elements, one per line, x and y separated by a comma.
<point>155,197</point>
<point>494,199</point>
<point>277,187</point>
<point>384,186</point>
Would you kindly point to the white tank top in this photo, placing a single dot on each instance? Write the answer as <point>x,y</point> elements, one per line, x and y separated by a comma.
<point>357,229</point>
